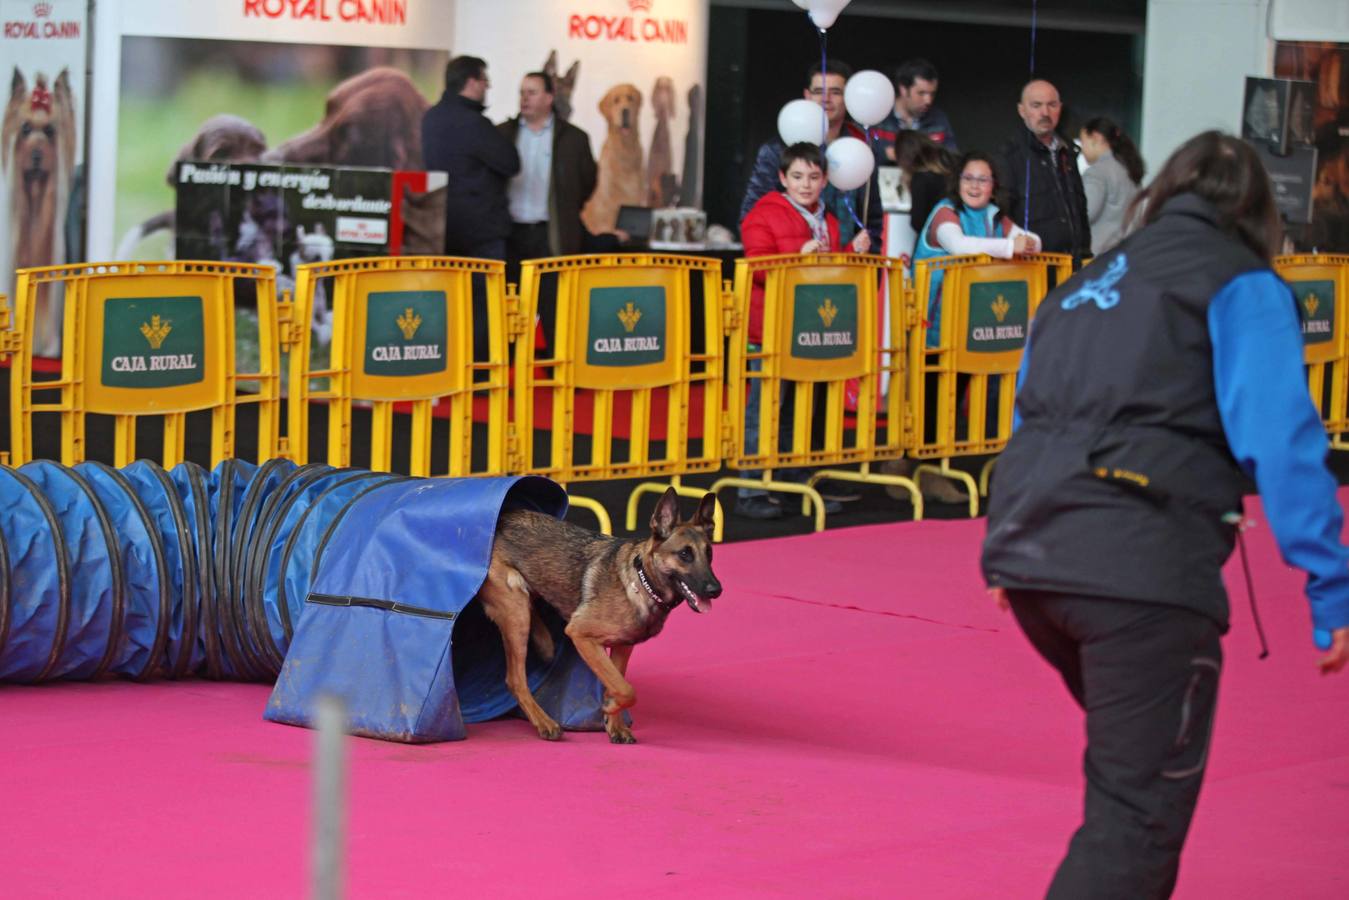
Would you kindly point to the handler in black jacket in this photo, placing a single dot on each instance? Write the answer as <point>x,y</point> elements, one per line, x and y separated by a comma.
<point>458,139</point>
<point>1039,173</point>
<point>1154,382</point>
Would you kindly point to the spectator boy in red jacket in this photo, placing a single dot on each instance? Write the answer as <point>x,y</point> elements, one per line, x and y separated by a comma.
<point>793,221</point>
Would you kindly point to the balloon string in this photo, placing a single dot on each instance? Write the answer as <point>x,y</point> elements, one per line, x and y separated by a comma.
<point>1025,218</point>
<point>847,201</point>
<point>824,87</point>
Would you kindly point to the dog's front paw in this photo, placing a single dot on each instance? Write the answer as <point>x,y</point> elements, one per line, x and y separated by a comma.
<point>550,731</point>
<point>619,733</point>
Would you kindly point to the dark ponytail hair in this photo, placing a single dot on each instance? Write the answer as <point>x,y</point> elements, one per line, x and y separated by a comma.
<point>1120,144</point>
<point>1226,173</point>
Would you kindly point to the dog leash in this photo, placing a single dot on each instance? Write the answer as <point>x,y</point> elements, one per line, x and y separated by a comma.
<point>1241,523</point>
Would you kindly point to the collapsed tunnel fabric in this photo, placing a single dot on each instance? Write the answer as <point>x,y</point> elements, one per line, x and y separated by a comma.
<point>341,581</point>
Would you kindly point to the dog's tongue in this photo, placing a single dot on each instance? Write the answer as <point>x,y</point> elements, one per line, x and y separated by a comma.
<point>698,605</point>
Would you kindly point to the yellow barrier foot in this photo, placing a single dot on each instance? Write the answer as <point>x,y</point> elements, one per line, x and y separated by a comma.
<point>945,471</point>
<point>606,525</point>
<point>984,475</point>
<point>866,476</point>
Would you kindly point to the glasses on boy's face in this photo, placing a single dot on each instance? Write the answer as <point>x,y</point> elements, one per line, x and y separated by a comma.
<point>976,179</point>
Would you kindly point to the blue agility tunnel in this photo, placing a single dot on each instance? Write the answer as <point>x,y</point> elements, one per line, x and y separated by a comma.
<point>330,581</point>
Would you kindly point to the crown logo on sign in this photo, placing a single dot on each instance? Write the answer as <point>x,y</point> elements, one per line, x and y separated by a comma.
<point>156,330</point>
<point>408,323</point>
<point>1000,307</point>
<point>1310,304</point>
<point>827,312</point>
<point>42,10</point>
<point>629,316</point>
<point>639,5</point>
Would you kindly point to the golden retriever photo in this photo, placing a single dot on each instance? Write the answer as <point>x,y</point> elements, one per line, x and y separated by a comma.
<point>38,162</point>
<point>622,177</point>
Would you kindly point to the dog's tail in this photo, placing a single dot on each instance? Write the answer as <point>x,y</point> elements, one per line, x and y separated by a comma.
<point>540,636</point>
<point>127,247</point>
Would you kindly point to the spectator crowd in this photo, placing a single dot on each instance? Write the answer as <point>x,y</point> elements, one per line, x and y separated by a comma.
<point>521,186</point>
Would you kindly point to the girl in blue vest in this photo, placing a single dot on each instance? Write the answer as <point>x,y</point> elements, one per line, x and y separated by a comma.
<point>968,222</point>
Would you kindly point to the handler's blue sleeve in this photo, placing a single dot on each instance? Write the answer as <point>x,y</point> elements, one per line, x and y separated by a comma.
<point>1276,433</point>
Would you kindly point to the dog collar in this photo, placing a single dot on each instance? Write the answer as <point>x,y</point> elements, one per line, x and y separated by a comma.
<point>650,591</point>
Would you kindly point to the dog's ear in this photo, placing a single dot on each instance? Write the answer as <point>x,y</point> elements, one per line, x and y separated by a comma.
<point>572,71</point>
<point>706,516</point>
<point>666,515</point>
<point>550,64</point>
<point>18,86</point>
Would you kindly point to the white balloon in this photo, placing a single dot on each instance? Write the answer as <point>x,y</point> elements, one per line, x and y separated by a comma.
<point>804,4</point>
<point>850,163</point>
<point>869,96</point>
<point>825,12</point>
<point>801,120</point>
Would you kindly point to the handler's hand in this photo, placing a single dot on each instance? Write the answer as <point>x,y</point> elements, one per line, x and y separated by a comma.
<point>1338,657</point>
<point>1000,598</point>
<point>811,246</point>
<point>861,243</point>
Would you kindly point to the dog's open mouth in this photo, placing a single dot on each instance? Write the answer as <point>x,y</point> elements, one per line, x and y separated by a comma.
<point>696,603</point>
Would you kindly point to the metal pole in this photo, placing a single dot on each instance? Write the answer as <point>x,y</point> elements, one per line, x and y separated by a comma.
<point>329,798</point>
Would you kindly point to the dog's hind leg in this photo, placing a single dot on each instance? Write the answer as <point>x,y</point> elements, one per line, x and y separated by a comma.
<point>505,599</point>
<point>617,729</point>
<point>540,637</point>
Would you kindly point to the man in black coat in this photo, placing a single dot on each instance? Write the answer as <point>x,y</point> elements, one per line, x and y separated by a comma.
<point>458,139</point>
<point>1039,173</point>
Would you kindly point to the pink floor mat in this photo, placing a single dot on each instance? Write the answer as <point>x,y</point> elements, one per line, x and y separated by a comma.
<point>852,719</point>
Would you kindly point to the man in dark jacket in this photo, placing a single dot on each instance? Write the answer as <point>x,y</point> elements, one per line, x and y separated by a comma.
<point>1039,172</point>
<point>557,175</point>
<point>457,138</point>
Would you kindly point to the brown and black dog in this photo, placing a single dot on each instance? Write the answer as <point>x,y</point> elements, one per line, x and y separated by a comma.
<point>611,593</point>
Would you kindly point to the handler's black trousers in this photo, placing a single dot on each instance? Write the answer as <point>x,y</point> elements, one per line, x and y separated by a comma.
<point>1147,677</point>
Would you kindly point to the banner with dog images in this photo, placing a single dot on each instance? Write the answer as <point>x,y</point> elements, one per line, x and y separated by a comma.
<point>627,72</point>
<point>1318,115</point>
<point>286,216</point>
<point>44,50</point>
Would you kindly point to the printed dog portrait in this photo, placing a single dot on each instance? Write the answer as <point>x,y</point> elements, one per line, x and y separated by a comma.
<point>563,85</point>
<point>38,163</point>
<point>622,179</point>
<point>371,119</point>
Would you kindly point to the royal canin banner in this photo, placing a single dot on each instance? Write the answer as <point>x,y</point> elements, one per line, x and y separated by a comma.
<point>43,48</point>
<point>374,23</point>
<point>629,73</point>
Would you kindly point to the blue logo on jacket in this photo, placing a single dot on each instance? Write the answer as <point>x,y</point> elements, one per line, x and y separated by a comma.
<point>1100,291</point>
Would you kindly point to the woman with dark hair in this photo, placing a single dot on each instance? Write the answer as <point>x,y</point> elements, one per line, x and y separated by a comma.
<point>926,167</point>
<point>1154,383</point>
<point>1112,178</point>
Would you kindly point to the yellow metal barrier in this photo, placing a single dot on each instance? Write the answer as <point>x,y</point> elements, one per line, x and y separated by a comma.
<point>142,340</point>
<point>821,331</point>
<point>403,333</point>
<point>986,306</point>
<point>1321,284</point>
<point>623,335</point>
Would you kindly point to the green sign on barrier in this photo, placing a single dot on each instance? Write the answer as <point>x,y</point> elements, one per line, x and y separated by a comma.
<point>824,321</point>
<point>405,333</point>
<point>999,316</point>
<point>1316,307</point>
<point>627,326</point>
<point>153,342</point>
